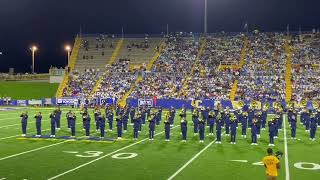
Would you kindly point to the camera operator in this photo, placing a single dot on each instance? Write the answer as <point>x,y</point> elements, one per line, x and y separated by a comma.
<point>272,164</point>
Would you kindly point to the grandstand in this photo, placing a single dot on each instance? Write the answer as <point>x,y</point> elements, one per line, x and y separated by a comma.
<point>255,66</point>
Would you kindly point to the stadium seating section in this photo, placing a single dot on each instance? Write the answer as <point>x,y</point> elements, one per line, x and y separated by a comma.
<point>189,67</point>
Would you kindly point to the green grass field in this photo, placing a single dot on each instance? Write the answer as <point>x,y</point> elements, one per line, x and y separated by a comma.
<point>27,90</point>
<point>63,159</point>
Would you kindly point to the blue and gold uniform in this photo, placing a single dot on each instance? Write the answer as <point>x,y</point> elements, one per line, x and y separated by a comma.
<point>24,123</point>
<point>293,123</point>
<point>53,117</point>
<point>136,125</point>
<point>184,128</point>
<point>102,125</point>
<point>313,126</point>
<point>218,128</point>
<point>119,126</point>
<point>233,128</point>
<point>195,119</point>
<point>38,118</point>
<point>272,125</point>
<point>167,127</point>
<point>86,122</point>
<point>97,113</point>
<point>58,118</point>
<point>244,124</point>
<point>226,120</point>
<point>211,121</point>
<point>152,124</point>
<point>109,115</point>
<point>254,131</point>
<point>202,125</point>
<point>72,120</point>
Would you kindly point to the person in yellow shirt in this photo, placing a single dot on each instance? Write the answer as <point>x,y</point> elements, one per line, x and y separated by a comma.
<point>272,164</point>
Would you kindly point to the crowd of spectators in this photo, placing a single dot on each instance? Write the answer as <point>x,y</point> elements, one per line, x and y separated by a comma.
<point>262,76</point>
<point>306,70</point>
<point>80,84</point>
<point>207,81</point>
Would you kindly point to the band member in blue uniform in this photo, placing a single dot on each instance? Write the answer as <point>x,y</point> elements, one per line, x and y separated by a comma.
<point>172,115</point>
<point>109,114</point>
<point>86,121</point>
<point>211,121</point>
<point>83,111</point>
<point>167,126</point>
<point>119,126</point>
<point>58,118</point>
<point>53,117</point>
<point>219,125</point>
<point>293,123</point>
<point>202,125</point>
<point>143,116</point>
<point>125,119</point>
<point>182,114</point>
<point>195,119</point>
<point>272,128</point>
<point>264,115</point>
<point>152,124</point>
<point>318,116</point>
<point>307,120</point>
<point>226,120</point>
<point>159,116</point>
<point>38,118</point>
<point>136,125</point>
<point>254,131</point>
<point>102,125</point>
<point>132,112</point>
<point>24,123</point>
<point>313,126</point>
<point>258,117</point>
<point>184,128</point>
<point>97,113</point>
<point>72,120</point>
<point>233,128</point>
<point>244,124</point>
<point>276,120</point>
<point>205,114</point>
<point>68,119</point>
<point>251,113</point>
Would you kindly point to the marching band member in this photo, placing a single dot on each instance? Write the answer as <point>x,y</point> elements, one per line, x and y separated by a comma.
<point>167,126</point>
<point>38,118</point>
<point>202,125</point>
<point>233,127</point>
<point>24,122</point>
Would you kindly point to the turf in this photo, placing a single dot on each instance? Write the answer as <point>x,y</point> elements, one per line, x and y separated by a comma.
<point>155,159</point>
<point>27,90</point>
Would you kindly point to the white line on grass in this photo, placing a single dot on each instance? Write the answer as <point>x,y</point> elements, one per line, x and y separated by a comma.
<point>286,148</point>
<point>101,157</point>
<point>192,159</point>
<point>14,155</point>
<point>20,134</point>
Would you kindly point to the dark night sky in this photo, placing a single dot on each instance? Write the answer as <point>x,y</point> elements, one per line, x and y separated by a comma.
<point>52,23</point>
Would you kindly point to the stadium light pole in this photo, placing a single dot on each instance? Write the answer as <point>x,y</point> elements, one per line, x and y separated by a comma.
<point>68,49</point>
<point>205,16</point>
<point>33,50</point>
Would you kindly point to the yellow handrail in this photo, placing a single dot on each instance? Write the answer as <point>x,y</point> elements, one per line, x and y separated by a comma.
<point>112,59</point>
<point>288,73</point>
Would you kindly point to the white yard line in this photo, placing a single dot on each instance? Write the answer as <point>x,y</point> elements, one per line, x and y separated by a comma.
<point>25,152</point>
<point>286,148</point>
<point>192,159</point>
<point>8,137</point>
<point>97,159</point>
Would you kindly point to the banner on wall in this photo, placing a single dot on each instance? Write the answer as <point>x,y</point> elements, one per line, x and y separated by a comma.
<point>21,103</point>
<point>35,102</point>
<point>145,102</point>
<point>47,101</point>
<point>106,101</point>
<point>65,101</point>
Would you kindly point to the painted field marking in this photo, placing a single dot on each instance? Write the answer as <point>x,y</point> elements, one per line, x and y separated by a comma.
<point>244,161</point>
<point>3,178</point>
<point>286,148</point>
<point>124,155</point>
<point>26,152</point>
<point>101,157</point>
<point>191,160</point>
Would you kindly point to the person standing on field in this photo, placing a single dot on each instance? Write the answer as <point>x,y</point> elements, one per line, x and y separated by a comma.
<point>272,165</point>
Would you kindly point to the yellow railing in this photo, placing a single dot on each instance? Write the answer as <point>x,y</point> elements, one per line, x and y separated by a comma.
<point>156,55</point>
<point>195,64</point>
<point>288,73</point>
<point>241,63</point>
<point>73,59</point>
<point>112,59</point>
<point>234,90</point>
<point>116,52</point>
<point>123,100</point>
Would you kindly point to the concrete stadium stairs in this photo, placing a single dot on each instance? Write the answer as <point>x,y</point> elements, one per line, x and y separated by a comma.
<point>73,59</point>
<point>112,59</point>
<point>288,74</point>
<point>242,62</point>
<point>96,58</point>
<point>123,100</point>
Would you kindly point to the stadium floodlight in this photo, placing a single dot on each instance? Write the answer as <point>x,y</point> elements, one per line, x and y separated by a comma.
<point>33,50</point>
<point>68,49</point>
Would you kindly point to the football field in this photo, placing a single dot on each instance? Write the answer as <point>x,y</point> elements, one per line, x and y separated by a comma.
<point>39,158</point>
